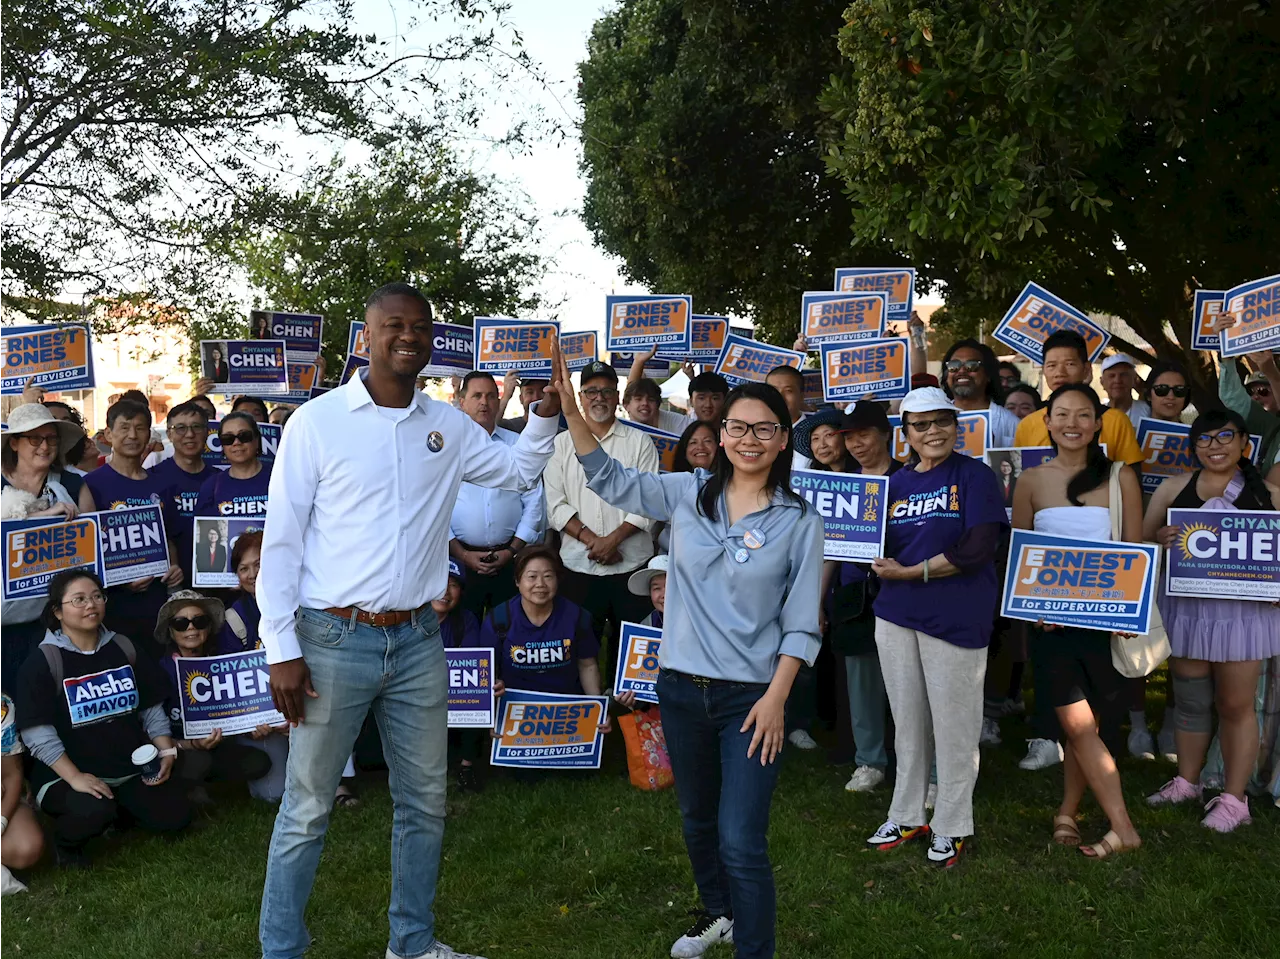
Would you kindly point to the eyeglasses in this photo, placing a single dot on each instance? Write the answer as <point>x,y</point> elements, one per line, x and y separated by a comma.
<point>180,624</point>
<point>43,439</point>
<point>1260,390</point>
<point>596,393</point>
<point>230,439</point>
<point>1164,389</point>
<point>80,601</point>
<point>183,429</point>
<point>941,422</point>
<point>968,366</point>
<point>762,431</point>
<point>1223,437</point>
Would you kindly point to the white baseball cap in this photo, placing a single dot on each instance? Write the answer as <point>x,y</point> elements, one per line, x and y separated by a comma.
<point>638,582</point>
<point>1115,359</point>
<point>926,400</point>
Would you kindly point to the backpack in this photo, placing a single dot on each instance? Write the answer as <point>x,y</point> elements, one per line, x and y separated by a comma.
<point>53,656</point>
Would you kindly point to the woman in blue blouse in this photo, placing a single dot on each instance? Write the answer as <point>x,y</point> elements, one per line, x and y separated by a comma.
<point>741,616</point>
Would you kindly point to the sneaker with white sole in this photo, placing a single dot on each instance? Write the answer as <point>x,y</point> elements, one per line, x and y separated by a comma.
<point>931,796</point>
<point>1226,812</point>
<point>707,931</point>
<point>865,779</point>
<point>437,951</point>
<point>801,740</point>
<point>1176,790</point>
<point>891,835</point>
<point>990,735</point>
<point>1041,754</point>
<point>944,851</point>
<point>1167,743</point>
<point>1141,743</point>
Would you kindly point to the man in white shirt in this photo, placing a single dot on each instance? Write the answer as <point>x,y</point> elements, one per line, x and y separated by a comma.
<point>354,551</point>
<point>489,526</point>
<point>1119,379</point>
<point>601,545</point>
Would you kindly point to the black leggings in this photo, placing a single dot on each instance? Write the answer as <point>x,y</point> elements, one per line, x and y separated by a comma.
<point>227,762</point>
<point>78,817</point>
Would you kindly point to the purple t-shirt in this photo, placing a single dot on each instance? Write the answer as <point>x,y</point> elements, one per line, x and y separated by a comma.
<point>182,489</point>
<point>460,628</point>
<point>928,512</point>
<point>224,495</point>
<point>543,658</point>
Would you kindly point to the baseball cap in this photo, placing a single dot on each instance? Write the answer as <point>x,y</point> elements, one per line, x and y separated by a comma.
<point>1115,359</point>
<point>866,414</point>
<point>921,380</point>
<point>638,582</point>
<point>1257,376</point>
<point>455,570</point>
<point>927,400</point>
<point>534,381</point>
<point>598,368</point>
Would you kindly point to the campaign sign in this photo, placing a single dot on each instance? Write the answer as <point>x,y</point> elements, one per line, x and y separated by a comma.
<point>213,455</point>
<point>133,544</point>
<point>59,356</point>
<point>812,388</point>
<point>897,283</point>
<point>663,441</point>
<point>452,350</point>
<point>1166,451</point>
<point>1035,314</point>
<point>638,662</point>
<point>1093,584</point>
<point>708,340</point>
<point>358,341</point>
<point>303,333</point>
<point>470,686</point>
<point>852,507</point>
<point>1204,314</point>
<point>522,345</point>
<point>353,365</point>
<point>302,380</point>
<point>38,549</point>
<point>622,363</point>
<point>1256,308</point>
<point>744,360</point>
<point>973,433</point>
<point>842,317</point>
<point>639,322</point>
<point>548,731</point>
<point>101,696</point>
<point>1225,554</point>
<point>578,350</point>
<point>230,692</point>
<point>212,540</point>
<point>256,367</point>
<point>851,371</point>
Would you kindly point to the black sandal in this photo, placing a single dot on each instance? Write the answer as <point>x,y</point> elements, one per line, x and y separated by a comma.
<point>346,796</point>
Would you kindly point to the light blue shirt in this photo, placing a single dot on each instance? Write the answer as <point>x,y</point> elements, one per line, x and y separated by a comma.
<point>724,619</point>
<point>490,517</point>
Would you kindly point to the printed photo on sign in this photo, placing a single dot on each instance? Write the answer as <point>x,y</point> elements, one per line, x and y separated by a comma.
<point>638,322</point>
<point>36,550</point>
<point>622,363</point>
<point>897,283</point>
<point>230,692</point>
<point>744,360</point>
<point>578,349</point>
<point>470,686</point>
<point>1167,451</point>
<point>853,511</point>
<point>303,333</point>
<point>880,368</point>
<point>1009,462</point>
<point>213,539</point>
<point>1204,314</point>
<point>1255,307</point>
<point>638,662</point>
<point>101,696</point>
<point>665,443</point>
<point>708,340</point>
<point>358,341</point>
<point>302,380</point>
<point>521,345</point>
<point>842,317</point>
<point>1092,584</point>
<point>213,455</point>
<point>1225,554</point>
<point>133,544</point>
<point>452,350</point>
<point>59,356</point>
<point>1035,314</point>
<point>256,367</point>
<point>549,731</point>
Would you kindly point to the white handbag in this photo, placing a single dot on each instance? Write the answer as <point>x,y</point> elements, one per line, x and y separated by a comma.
<point>1140,655</point>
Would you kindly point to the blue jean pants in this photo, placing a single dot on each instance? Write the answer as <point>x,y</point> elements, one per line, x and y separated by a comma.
<point>724,803</point>
<point>400,673</point>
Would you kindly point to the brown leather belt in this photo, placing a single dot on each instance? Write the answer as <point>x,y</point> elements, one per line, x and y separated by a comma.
<point>393,618</point>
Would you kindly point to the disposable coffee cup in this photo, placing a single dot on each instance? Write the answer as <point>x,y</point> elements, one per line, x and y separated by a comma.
<point>147,760</point>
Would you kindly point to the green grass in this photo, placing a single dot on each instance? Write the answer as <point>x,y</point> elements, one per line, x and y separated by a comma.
<point>596,868</point>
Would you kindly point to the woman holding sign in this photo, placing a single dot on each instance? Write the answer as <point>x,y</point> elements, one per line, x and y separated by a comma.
<point>1218,644</point>
<point>1070,495</point>
<point>741,615</point>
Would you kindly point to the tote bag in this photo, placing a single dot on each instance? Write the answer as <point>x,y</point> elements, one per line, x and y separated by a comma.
<point>1139,655</point>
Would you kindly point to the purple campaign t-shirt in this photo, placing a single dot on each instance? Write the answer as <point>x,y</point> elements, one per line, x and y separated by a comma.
<point>460,628</point>
<point>224,495</point>
<point>181,490</point>
<point>543,658</point>
<point>928,512</point>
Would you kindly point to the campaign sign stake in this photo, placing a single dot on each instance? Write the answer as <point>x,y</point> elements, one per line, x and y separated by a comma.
<point>303,333</point>
<point>578,349</point>
<point>664,442</point>
<point>1035,314</point>
<point>639,322</point>
<point>853,508</point>
<point>452,350</point>
<point>548,731</point>
<point>1204,314</point>
<point>521,345</point>
<point>843,317</point>
<point>133,544</point>
<point>1225,554</point>
<point>230,692</point>
<point>1166,451</point>
<point>897,283</point>
<point>256,367</point>
<point>36,550</point>
<point>879,367</point>
<point>638,661</point>
<point>1093,584</point>
<point>59,356</point>
<point>1256,308</point>
<point>470,686</point>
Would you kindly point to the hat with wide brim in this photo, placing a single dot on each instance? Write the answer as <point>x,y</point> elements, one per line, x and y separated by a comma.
<point>638,582</point>
<point>32,416</point>
<point>802,432</point>
<point>189,597</point>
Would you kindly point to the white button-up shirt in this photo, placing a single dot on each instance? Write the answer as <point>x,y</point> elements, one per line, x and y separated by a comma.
<point>360,499</point>
<point>490,517</point>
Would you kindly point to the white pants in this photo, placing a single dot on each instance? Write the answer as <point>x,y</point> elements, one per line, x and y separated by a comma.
<point>935,694</point>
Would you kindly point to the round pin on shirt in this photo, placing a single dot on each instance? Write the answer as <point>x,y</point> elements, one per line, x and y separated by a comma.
<point>741,556</point>
<point>754,538</point>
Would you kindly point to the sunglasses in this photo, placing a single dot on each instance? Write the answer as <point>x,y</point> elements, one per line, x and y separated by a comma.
<point>180,624</point>
<point>230,439</point>
<point>968,366</point>
<point>1164,389</point>
<point>942,422</point>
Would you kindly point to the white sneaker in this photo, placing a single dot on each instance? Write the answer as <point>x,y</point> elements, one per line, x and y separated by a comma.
<point>1041,754</point>
<point>438,951</point>
<point>1167,744</point>
<point>706,932</point>
<point>1141,743</point>
<point>865,779</point>
<point>801,740</point>
<point>990,733</point>
<point>931,796</point>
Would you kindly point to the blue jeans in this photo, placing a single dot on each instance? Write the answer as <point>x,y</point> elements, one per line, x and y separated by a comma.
<point>867,706</point>
<point>724,803</point>
<point>400,673</point>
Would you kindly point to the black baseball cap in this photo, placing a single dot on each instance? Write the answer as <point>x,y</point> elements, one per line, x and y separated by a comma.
<point>866,414</point>
<point>598,368</point>
<point>708,382</point>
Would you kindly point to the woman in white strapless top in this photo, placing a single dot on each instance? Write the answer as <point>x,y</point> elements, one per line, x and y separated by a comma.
<point>1069,496</point>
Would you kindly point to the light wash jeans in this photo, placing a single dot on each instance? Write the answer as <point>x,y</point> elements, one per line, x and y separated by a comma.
<point>400,673</point>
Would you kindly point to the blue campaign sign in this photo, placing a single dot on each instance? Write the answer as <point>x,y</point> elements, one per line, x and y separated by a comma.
<point>100,696</point>
<point>898,283</point>
<point>548,731</point>
<point>1225,554</point>
<point>879,368</point>
<point>303,333</point>
<point>256,367</point>
<point>665,443</point>
<point>231,693</point>
<point>1092,584</point>
<point>1255,306</point>
<point>578,349</point>
<point>353,365</point>
<point>638,648</point>
<point>827,317</point>
<point>639,322</point>
<point>854,511</point>
<point>744,360</point>
<point>302,382</point>
<point>1204,314</point>
<point>708,339</point>
<point>503,344</point>
<point>1166,451</point>
<point>59,356</point>
<point>622,363</point>
<point>470,686</point>
<point>452,350</point>
<point>357,342</point>
<point>1035,314</point>
<point>36,550</point>
<point>133,544</point>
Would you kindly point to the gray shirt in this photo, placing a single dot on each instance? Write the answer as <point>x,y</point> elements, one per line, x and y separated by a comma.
<point>725,619</point>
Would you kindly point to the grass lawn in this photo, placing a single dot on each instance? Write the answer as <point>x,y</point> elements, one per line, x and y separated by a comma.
<point>597,869</point>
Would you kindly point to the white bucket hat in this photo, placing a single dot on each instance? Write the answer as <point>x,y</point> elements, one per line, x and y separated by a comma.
<point>638,582</point>
<point>926,400</point>
<point>32,416</point>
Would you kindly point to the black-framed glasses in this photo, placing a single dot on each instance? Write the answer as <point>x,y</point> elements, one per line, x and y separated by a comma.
<point>180,624</point>
<point>968,366</point>
<point>80,601</point>
<point>765,430</point>
<point>1164,389</point>
<point>184,429</point>
<point>1222,438</point>
<point>230,439</point>
<point>944,422</point>
<point>596,393</point>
